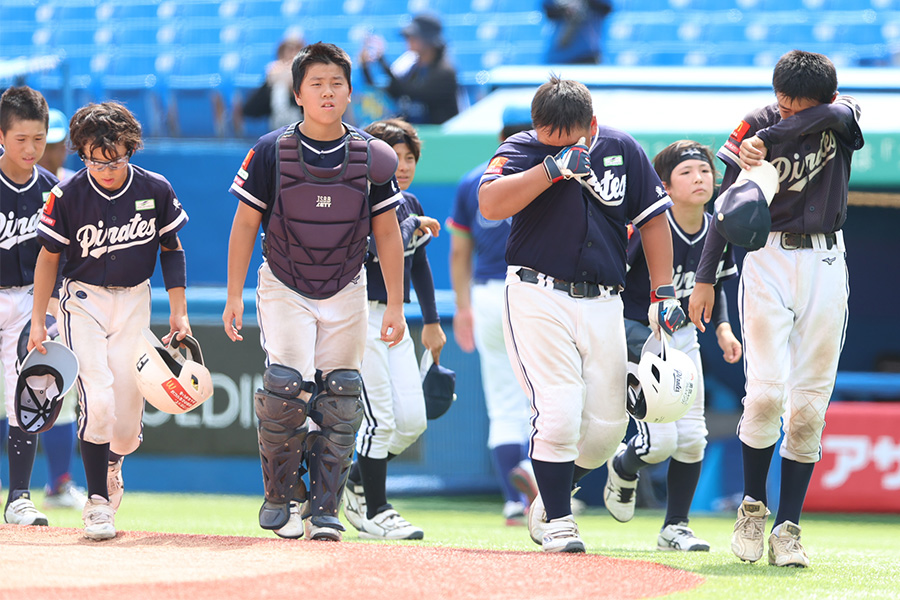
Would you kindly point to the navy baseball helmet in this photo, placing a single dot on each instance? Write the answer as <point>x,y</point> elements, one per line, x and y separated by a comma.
<point>741,213</point>
<point>438,385</point>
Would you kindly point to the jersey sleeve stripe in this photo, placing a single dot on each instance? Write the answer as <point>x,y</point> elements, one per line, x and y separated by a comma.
<point>248,197</point>
<point>182,217</point>
<point>652,211</point>
<point>52,234</point>
<point>456,229</point>
<point>384,205</point>
<point>727,273</point>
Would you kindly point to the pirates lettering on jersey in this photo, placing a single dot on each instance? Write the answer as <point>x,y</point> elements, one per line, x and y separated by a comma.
<point>14,230</point>
<point>610,190</point>
<point>797,171</point>
<point>97,240</point>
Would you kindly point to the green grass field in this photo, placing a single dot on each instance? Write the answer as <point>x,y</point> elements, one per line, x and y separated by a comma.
<point>853,556</point>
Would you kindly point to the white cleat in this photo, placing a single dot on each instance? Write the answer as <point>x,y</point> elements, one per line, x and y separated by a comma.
<point>293,529</point>
<point>22,511</point>
<point>355,504</point>
<point>785,549</point>
<point>747,539</point>
<point>389,525</point>
<point>68,496</point>
<point>619,494</point>
<point>561,535</point>
<point>115,485</point>
<point>99,519</point>
<point>680,537</point>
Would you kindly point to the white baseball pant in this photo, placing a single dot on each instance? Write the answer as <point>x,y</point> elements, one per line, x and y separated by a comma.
<point>15,312</point>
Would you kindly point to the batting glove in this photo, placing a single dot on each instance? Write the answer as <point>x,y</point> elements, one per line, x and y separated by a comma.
<point>571,162</point>
<point>665,312</point>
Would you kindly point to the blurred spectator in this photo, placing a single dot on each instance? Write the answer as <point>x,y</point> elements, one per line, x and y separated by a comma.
<point>56,153</point>
<point>275,98</point>
<point>422,80</point>
<point>577,30</point>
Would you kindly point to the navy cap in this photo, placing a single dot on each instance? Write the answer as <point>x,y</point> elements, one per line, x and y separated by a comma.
<point>741,213</point>
<point>438,385</point>
<point>426,27</point>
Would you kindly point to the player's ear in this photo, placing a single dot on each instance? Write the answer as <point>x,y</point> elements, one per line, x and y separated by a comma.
<point>297,99</point>
<point>593,126</point>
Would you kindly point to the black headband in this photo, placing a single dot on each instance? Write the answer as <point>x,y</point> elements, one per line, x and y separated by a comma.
<point>692,153</point>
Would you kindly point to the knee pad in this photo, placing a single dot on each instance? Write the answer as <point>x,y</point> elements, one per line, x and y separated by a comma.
<point>338,411</point>
<point>803,429</point>
<point>281,408</point>
<point>763,407</point>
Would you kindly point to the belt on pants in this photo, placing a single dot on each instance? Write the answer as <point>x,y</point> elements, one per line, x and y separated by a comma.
<point>797,241</point>
<point>581,289</point>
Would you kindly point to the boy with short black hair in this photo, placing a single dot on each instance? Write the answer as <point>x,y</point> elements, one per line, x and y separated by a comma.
<point>317,188</point>
<point>686,169</point>
<point>793,288</point>
<point>24,187</point>
<point>563,321</point>
<point>110,220</point>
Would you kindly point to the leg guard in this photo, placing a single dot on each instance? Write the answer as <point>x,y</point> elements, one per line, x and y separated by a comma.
<point>337,410</point>
<point>281,409</point>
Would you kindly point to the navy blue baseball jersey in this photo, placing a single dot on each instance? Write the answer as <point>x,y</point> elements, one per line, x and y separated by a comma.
<point>256,181</point>
<point>812,151</point>
<point>489,237</point>
<point>686,251</point>
<point>568,232</point>
<point>416,268</point>
<point>110,238</point>
<point>20,210</point>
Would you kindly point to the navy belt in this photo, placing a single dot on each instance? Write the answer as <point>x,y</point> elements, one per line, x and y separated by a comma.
<point>797,241</point>
<point>581,289</point>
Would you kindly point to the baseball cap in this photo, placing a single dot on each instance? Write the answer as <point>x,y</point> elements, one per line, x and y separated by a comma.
<point>438,386</point>
<point>517,114</point>
<point>741,213</point>
<point>57,127</point>
<point>427,28</point>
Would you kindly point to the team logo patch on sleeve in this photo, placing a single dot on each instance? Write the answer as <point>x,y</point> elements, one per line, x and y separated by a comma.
<point>47,220</point>
<point>496,165</point>
<point>242,172</point>
<point>49,199</point>
<point>146,204</point>
<point>740,131</point>
<point>613,161</point>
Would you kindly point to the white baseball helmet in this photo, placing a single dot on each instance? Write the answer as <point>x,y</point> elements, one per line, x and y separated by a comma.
<point>168,380</point>
<point>668,381</point>
<point>44,379</point>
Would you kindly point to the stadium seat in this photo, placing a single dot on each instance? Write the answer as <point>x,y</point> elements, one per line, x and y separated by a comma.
<point>197,93</point>
<point>133,80</point>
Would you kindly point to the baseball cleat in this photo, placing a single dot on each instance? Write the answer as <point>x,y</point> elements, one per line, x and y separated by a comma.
<point>355,504</point>
<point>522,479</point>
<point>293,529</point>
<point>747,539</point>
<point>22,511</point>
<point>619,493</point>
<point>389,525</point>
<point>321,533</point>
<point>537,518</point>
<point>68,495</point>
<point>561,535</point>
<point>99,518</point>
<point>514,513</point>
<point>678,536</point>
<point>785,549</point>
<point>115,485</point>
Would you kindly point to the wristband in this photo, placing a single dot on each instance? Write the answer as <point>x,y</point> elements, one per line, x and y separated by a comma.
<point>174,268</point>
<point>663,292</point>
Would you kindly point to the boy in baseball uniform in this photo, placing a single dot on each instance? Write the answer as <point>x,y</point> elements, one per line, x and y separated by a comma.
<point>686,169</point>
<point>24,187</point>
<point>110,221</point>
<point>793,291</point>
<point>393,402</point>
<point>318,188</point>
<point>571,186</point>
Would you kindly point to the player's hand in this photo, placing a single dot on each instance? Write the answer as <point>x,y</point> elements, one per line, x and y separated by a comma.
<point>433,339</point>
<point>464,329</point>
<point>233,318</point>
<point>572,162</point>
<point>393,325</point>
<point>428,225</point>
<point>753,152</point>
<point>179,326</point>
<point>665,312</point>
<point>37,336</point>
<point>731,347</point>
<point>700,307</point>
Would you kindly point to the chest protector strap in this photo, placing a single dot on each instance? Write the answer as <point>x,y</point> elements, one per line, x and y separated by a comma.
<point>317,234</point>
